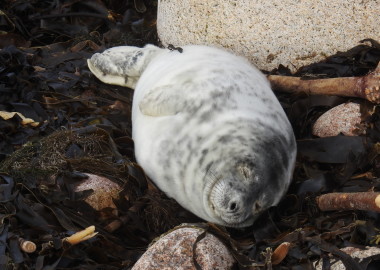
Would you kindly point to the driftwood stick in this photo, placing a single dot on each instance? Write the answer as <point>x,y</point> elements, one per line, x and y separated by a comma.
<point>367,201</point>
<point>116,224</point>
<point>27,246</point>
<point>367,87</point>
<point>81,236</point>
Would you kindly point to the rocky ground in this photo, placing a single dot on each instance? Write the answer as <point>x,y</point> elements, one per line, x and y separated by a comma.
<point>70,126</point>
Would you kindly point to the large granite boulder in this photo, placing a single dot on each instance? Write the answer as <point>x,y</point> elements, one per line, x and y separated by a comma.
<point>289,32</point>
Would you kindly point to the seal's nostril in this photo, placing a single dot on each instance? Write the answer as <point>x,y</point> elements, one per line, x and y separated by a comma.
<point>232,206</point>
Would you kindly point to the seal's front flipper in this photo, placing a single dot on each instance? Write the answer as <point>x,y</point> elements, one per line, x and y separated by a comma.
<point>122,65</point>
<point>182,96</point>
<point>162,101</point>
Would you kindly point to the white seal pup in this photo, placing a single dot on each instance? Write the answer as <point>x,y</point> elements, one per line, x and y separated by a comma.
<point>208,130</point>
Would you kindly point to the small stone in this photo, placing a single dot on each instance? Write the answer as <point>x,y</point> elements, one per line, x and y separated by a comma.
<point>175,251</point>
<point>104,191</point>
<point>344,118</point>
<point>354,253</point>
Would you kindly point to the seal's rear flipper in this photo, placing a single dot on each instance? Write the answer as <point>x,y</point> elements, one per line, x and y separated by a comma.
<point>122,65</point>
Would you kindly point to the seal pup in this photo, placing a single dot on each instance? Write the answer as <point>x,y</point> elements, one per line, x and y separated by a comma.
<point>208,130</point>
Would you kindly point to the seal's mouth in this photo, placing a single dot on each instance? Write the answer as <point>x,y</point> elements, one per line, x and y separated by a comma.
<point>211,179</point>
<point>245,222</point>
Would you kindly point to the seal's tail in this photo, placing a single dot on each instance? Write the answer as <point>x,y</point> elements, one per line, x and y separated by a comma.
<point>122,65</point>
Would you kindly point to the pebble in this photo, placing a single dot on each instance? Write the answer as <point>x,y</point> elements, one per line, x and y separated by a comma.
<point>344,118</point>
<point>175,251</point>
<point>355,253</point>
<point>104,191</point>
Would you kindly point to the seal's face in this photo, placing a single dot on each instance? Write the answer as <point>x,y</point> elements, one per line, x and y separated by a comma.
<point>235,200</point>
<point>244,187</point>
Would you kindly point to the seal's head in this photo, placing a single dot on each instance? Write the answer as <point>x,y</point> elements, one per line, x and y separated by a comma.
<point>237,192</point>
<point>236,199</point>
<point>122,65</point>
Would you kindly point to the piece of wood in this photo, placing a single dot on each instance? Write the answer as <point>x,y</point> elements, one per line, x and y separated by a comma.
<point>367,87</point>
<point>81,236</point>
<point>27,246</point>
<point>366,201</point>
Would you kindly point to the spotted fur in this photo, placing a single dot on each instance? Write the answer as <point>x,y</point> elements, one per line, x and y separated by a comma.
<point>207,128</point>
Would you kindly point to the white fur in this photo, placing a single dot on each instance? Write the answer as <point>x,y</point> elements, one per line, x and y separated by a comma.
<point>171,101</point>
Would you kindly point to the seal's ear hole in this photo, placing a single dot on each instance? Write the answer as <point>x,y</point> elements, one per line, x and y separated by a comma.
<point>245,171</point>
<point>256,207</point>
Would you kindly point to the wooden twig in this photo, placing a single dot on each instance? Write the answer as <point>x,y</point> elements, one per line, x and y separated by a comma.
<point>366,201</point>
<point>116,224</point>
<point>367,87</point>
<point>27,246</point>
<point>72,14</point>
<point>81,236</point>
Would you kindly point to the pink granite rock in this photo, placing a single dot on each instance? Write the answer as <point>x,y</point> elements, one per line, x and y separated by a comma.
<point>269,33</point>
<point>104,191</point>
<point>354,253</point>
<point>344,118</point>
<point>175,251</point>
